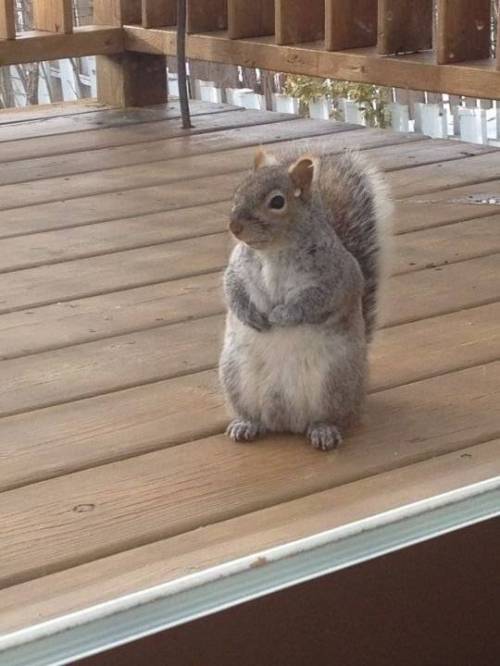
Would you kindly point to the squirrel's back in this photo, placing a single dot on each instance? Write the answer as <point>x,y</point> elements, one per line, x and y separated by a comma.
<point>358,206</point>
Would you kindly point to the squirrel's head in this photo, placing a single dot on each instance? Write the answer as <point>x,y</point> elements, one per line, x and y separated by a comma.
<point>268,202</point>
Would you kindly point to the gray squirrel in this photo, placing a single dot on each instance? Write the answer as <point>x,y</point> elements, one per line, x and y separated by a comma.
<point>302,288</point>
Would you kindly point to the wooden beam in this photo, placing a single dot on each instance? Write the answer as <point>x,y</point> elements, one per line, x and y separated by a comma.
<point>298,21</point>
<point>206,15</point>
<point>416,72</point>
<point>157,13</point>
<point>84,41</point>
<point>128,79</point>
<point>117,12</point>
<point>250,19</point>
<point>7,20</point>
<point>350,24</point>
<point>463,30</point>
<point>132,79</point>
<point>53,15</point>
<point>404,26</point>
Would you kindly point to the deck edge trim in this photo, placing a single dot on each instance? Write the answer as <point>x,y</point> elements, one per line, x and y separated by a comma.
<point>144,613</point>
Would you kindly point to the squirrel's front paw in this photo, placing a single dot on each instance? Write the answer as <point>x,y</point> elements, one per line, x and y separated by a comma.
<point>282,315</point>
<point>244,431</point>
<point>259,322</point>
<point>324,436</point>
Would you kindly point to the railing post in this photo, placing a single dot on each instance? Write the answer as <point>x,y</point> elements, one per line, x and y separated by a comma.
<point>128,79</point>
<point>298,21</point>
<point>159,13</point>
<point>7,20</point>
<point>404,26</point>
<point>250,19</point>
<point>53,15</point>
<point>463,30</point>
<point>206,15</point>
<point>350,24</point>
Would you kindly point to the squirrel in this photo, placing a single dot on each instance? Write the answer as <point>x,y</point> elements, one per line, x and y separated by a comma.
<point>302,288</point>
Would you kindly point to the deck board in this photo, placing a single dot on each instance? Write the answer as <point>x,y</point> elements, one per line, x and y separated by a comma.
<point>111,319</point>
<point>165,493</point>
<point>165,560</point>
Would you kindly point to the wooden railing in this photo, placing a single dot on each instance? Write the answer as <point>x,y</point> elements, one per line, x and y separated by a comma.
<point>400,43</point>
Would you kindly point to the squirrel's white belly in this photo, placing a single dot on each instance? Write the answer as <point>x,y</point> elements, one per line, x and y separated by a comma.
<point>283,373</point>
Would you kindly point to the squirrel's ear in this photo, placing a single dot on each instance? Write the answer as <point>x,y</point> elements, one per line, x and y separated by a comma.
<point>263,159</point>
<point>302,174</point>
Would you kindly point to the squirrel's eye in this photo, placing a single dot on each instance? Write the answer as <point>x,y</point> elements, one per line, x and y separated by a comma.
<point>277,202</point>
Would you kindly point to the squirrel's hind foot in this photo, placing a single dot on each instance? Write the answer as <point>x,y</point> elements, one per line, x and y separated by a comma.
<point>241,430</point>
<point>324,436</point>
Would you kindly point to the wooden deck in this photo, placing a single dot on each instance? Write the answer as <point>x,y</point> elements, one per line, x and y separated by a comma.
<point>114,474</point>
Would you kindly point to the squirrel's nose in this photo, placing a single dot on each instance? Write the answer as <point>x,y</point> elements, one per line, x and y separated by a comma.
<point>236,227</point>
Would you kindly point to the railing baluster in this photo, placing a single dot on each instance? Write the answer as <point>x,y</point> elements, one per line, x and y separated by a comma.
<point>158,13</point>
<point>7,20</point>
<point>206,15</point>
<point>250,19</point>
<point>404,26</point>
<point>299,21</point>
<point>463,30</point>
<point>117,12</point>
<point>350,24</point>
<point>53,15</point>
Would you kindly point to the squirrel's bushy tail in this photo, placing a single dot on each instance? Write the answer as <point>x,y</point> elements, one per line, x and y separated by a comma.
<point>361,211</point>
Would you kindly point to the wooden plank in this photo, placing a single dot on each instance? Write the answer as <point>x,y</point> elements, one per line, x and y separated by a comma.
<point>116,12</point>
<point>115,271</point>
<point>83,41</point>
<point>250,19</point>
<point>7,20</point>
<point>403,183</point>
<point>409,298</point>
<point>350,24</point>
<point>169,146</point>
<point>148,134</point>
<point>53,15</point>
<point>159,13</point>
<point>461,203</point>
<point>107,315</point>
<point>93,240</point>
<point>131,79</point>
<point>128,203</point>
<point>418,153</point>
<point>404,26</point>
<point>103,119</point>
<point>440,177</point>
<point>94,128</point>
<point>417,72</point>
<point>234,143</point>
<point>414,251</point>
<point>451,243</point>
<point>133,571</point>
<point>297,21</point>
<point>94,368</point>
<point>462,30</point>
<point>30,114</point>
<point>206,15</point>
<point>75,318</point>
<point>136,176</point>
<point>158,495</point>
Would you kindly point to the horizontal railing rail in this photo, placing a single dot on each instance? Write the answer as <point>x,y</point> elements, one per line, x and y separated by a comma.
<point>432,45</point>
